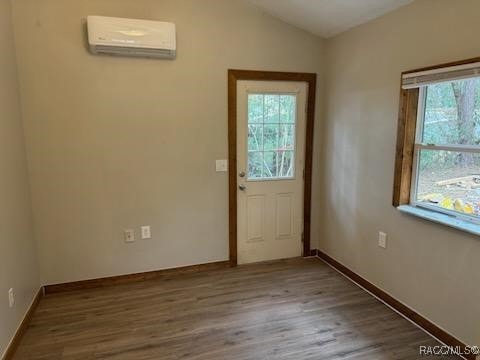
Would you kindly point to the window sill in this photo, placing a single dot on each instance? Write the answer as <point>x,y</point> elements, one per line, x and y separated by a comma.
<point>441,219</point>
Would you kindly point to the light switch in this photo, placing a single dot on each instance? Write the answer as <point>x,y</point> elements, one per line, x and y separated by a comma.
<point>221,165</point>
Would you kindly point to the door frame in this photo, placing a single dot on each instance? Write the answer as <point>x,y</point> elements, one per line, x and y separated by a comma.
<point>233,77</point>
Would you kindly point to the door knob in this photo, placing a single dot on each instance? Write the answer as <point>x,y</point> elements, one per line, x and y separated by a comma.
<point>242,174</point>
<point>242,187</point>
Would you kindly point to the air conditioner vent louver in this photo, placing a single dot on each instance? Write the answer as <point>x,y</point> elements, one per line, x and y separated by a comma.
<point>128,51</point>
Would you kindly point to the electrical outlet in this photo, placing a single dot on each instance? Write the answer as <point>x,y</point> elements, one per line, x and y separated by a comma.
<point>11,298</point>
<point>382,240</point>
<point>146,232</point>
<point>129,235</point>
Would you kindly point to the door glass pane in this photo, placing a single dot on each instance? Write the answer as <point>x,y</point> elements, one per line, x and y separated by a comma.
<point>255,137</point>
<point>255,165</point>
<point>287,108</point>
<point>255,108</point>
<point>271,136</point>
<point>452,113</point>
<point>286,137</point>
<point>285,163</point>
<point>272,108</point>
<point>270,164</point>
<point>450,180</point>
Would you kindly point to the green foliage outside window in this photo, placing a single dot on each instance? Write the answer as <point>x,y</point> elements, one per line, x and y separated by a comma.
<point>271,136</point>
<point>452,117</point>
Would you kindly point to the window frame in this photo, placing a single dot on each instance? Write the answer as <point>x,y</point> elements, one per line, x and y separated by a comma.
<point>409,144</point>
<point>418,147</point>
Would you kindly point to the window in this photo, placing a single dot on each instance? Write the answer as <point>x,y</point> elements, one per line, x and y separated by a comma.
<point>271,136</point>
<point>438,148</point>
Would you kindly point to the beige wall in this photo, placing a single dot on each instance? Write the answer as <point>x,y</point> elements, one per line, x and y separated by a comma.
<point>432,268</point>
<point>18,265</point>
<point>117,143</point>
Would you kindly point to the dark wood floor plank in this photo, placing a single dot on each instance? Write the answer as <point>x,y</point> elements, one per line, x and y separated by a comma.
<point>295,309</point>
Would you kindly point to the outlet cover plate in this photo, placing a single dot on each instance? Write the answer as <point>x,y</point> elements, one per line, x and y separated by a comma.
<point>146,232</point>
<point>129,235</point>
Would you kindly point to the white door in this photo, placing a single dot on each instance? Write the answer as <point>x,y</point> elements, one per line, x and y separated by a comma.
<point>271,125</point>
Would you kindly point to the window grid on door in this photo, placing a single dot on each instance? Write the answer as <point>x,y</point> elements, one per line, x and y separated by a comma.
<point>271,136</point>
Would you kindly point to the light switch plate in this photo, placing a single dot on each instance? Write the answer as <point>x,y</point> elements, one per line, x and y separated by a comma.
<point>146,232</point>
<point>382,240</point>
<point>11,298</point>
<point>221,165</point>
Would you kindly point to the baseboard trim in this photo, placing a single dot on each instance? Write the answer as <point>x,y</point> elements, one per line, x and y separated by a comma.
<point>129,278</point>
<point>410,314</point>
<point>407,312</point>
<point>313,252</point>
<point>22,328</point>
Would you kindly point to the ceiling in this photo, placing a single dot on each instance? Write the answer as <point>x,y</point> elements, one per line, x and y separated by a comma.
<point>327,18</point>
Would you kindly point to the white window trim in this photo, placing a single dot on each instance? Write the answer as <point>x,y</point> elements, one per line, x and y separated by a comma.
<point>416,163</point>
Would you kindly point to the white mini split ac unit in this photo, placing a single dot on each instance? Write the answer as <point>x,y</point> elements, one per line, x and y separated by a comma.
<point>131,37</point>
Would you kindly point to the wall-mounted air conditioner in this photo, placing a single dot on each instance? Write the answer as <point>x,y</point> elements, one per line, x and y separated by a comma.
<point>131,37</point>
